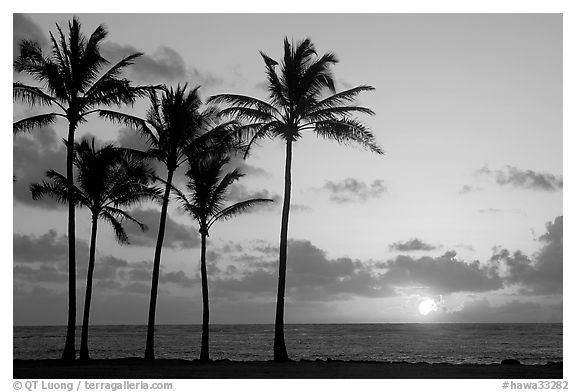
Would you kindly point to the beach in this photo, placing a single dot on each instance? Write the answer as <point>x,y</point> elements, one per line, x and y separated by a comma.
<point>137,368</point>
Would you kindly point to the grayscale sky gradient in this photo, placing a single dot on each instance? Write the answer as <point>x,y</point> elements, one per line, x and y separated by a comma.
<point>465,208</point>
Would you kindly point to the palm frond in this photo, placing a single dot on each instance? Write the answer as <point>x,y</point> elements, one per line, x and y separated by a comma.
<point>336,112</point>
<point>119,231</point>
<point>346,96</point>
<point>237,209</point>
<point>346,131</point>
<point>124,216</point>
<point>33,122</point>
<point>51,190</point>
<point>33,95</point>
<point>243,101</point>
<point>128,121</point>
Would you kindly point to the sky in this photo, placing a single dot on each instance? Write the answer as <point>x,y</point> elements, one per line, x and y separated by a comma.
<point>463,212</point>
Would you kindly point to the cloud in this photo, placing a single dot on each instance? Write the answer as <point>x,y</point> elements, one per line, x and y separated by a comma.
<point>489,210</point>
<point>237,161</point>
<point>525,179</point>
<point>164,64</point>
<point>311,276</point>
<point>411,245</point>
<point>440,275</point>
<point>541,274</point>
<point>24,28</point>
<point>238,192</point>
<point>179,278</point>
<point>176,235</point>
<point>44,273</point>
<point>353,190</point>
<point>33,155</point>
<point>106,268</point>
<point>48,247</point>
<point>467,189</point>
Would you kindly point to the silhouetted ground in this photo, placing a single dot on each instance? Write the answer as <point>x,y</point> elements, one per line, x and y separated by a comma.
<point>136,368</point>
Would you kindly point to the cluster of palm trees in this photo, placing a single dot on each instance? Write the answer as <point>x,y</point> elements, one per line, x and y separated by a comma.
<point>180,130</point>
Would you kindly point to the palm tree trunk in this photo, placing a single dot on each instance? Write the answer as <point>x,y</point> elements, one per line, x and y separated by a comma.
<point>204,353</point>
<point>280,353</point>
<point>149,353</point>
<point>88,297</point>
<point>69,347</point>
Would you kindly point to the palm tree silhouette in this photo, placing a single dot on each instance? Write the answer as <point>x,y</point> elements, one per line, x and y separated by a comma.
<point>109,179</point>
<point>207,188</point>
<point>70,85</point>
<point>296,104</point>
<point>175,128</point>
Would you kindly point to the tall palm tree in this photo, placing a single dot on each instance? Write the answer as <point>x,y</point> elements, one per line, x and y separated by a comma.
<point>175,128</point>
<point>74,86</point>
<point>207,188</point>
<point>109,180</point>
<point>296,104</point>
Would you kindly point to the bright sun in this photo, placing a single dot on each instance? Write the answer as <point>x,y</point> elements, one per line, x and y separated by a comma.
<point>426,306</point>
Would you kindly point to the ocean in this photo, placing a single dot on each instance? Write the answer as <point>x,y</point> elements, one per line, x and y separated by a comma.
<point>452,343</point>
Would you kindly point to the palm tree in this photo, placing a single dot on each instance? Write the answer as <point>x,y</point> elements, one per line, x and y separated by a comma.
<point>297,104</point>
<point>109,179</point>
<point>175,128</point>
<point>207,189</point>
<point>71,85</point>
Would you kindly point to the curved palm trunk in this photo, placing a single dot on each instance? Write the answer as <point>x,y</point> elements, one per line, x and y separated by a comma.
<point>69,347</point>
<point>149,353</point>
<point>88,296</point>
<point>280,353</point>
<point>204,353</point>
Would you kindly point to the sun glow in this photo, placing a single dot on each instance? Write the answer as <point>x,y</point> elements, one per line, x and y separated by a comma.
<point>426,306</point>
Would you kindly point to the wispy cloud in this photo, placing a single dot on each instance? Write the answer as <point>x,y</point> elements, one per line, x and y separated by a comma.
<point>352,190</point>
<point>411,245</point>
<point>526,179</point>
<point>467,189</point>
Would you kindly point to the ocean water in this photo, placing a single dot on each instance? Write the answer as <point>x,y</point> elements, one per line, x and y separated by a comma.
<point>453,343</point>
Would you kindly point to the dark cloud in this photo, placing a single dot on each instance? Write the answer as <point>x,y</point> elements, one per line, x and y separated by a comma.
<point>354,190</point>
<point>164,64</point>
<point>106,268</point>
<point>179,278</point>
<point>526,179</point>
<point>43,273</point>
<point>541,274</point>
<point>34,154</point>
<point>311,275</point>
<point>440,275</point>
<point>176,235</point>
<point>238,192</point>
<point>411,245</point>
<point>48,247</point>
<point>24,28</point>
<point>466,189</point>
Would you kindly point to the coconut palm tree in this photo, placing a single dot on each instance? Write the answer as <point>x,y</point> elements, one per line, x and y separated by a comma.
<point>176,127</point>
<point>109,180</point>
<point>297,103</point>
<point>73,85</point>
<point>207,188</point>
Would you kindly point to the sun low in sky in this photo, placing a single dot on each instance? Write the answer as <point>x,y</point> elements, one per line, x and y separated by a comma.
<point>464,206</point>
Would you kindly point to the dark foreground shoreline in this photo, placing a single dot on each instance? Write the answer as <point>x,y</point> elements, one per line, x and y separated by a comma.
<point>137,368</point>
